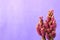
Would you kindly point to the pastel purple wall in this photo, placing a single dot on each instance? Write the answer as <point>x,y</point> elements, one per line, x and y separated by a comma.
<point>18,18</point>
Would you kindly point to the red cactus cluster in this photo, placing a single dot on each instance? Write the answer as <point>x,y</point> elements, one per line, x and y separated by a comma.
<point>47,28</point>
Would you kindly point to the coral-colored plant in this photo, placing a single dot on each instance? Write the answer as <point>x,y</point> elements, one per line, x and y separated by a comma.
<point>47,29</point>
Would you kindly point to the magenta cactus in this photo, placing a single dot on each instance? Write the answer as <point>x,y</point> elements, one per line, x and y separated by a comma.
<point>47,29</point>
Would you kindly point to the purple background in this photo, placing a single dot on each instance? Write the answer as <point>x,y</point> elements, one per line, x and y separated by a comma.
<point>18,18</point>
